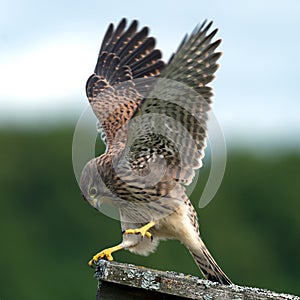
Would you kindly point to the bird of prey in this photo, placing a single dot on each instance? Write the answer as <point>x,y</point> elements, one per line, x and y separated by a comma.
<point>153,118</point>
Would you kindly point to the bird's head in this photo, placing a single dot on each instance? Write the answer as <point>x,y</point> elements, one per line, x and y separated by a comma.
<point>92,186</point>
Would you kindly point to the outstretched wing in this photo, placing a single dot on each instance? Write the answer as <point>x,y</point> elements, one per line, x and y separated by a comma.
<point>125,54</point>
<point>171,123</point>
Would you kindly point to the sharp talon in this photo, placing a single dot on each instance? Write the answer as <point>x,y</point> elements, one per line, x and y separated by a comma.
<point>105,254</point>
<point>91,264</point>
<point>123,231</point>
<point>151,238</point>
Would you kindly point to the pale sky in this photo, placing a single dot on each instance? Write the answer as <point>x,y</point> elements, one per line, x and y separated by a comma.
<point>49,49</point>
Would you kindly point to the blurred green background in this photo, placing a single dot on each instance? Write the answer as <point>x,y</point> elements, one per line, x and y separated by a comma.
<point>48,233</point>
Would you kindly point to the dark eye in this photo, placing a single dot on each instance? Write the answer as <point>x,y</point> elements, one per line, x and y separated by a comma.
<point>93,191</point>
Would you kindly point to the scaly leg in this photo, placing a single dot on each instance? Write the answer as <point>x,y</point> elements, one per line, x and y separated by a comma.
<point>106,253</point>
<point>143,231</point>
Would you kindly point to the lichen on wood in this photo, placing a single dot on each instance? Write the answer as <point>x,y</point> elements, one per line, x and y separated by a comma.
<point>126,281</point>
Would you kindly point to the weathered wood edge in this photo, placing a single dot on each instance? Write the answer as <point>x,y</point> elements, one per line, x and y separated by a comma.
<point>177,284</point>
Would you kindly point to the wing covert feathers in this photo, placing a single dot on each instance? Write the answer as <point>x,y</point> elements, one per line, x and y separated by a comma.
<point>174,111</point>
<point>173,118</point>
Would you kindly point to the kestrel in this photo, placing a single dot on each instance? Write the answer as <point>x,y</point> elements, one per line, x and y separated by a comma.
<point>153,118</point>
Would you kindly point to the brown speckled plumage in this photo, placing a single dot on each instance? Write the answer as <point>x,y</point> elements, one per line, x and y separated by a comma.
<point>153,118</point>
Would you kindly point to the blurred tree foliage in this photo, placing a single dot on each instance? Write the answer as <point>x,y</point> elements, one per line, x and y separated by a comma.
<point>48,233</point>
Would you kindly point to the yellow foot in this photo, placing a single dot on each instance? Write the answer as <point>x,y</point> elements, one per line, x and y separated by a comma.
<point>143,231</point>
<point>104,254</point>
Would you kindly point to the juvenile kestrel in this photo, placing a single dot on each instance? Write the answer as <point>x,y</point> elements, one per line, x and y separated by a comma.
<point>153,119</point>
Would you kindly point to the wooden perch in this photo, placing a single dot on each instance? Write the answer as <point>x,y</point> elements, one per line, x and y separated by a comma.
<point>120,281</point>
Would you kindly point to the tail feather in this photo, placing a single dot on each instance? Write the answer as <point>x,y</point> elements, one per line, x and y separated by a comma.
<point>208,266</point>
